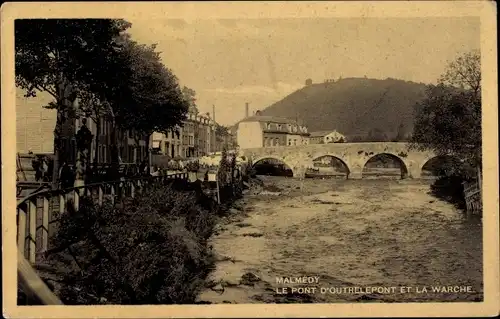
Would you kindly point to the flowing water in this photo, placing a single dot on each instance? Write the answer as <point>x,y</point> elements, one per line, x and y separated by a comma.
<point>364,239</point>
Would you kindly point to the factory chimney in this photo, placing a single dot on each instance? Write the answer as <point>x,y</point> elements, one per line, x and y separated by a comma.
<point>246,109</point>
<point>213,112</point>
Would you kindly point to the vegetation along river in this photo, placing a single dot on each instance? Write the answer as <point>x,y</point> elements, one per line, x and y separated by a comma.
<point>365,239</point>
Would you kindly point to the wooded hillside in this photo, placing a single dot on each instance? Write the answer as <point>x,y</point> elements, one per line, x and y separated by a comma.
<point>356,107</point>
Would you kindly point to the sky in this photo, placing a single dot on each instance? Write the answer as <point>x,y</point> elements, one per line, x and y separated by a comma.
<point>229,62</point>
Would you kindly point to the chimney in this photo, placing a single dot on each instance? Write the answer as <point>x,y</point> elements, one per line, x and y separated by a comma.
<point>213,112</point>
<point>246,110</point>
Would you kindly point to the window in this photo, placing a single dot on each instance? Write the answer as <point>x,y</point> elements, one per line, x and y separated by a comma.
<point>277,142</point>
<point>268,126</point>
<point>130,157</point>
<point>289,127</point>
<point>279,127</point>
<point>290,142</point>
<point>102,159</point>
<point>105,154</point>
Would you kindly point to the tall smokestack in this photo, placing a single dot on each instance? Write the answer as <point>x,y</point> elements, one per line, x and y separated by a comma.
<point>246,109</point>
<point>213,112</point>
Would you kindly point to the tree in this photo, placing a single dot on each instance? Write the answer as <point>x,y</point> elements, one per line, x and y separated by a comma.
<point>376,135</point>
<point>190,96</point>
<point>309,82</point>
<point>448,120</point>
<point>152,100</point>
<point>221,131</point>
<point>401,134</point>
<point>90,106</point>
<point>60,56</point>
<point>464,73</point>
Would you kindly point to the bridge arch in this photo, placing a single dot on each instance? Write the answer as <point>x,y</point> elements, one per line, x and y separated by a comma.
<point>335,157</point>
<point>403,165</point>
<point>280,159</point>
<point>432,163</point>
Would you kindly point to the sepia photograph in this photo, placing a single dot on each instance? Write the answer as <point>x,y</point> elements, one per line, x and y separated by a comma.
<point>253,154</point>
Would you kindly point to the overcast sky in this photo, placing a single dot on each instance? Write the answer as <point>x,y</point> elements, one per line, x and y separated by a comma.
<point>230,62</point>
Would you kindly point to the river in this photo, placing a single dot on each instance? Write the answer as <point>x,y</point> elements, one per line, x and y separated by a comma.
<point>363,234</point>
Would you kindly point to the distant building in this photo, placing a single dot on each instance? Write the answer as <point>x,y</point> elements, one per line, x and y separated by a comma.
<point>266,131</point>
<point>196,138</point>
<point>325,137</point>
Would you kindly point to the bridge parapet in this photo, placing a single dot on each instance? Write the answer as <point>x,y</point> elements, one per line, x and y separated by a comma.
<point>354,155</point>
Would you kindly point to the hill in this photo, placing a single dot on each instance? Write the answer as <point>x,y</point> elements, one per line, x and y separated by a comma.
<point>356,107</point>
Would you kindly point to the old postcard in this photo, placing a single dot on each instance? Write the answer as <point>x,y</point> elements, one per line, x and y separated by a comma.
<point>249,159</point>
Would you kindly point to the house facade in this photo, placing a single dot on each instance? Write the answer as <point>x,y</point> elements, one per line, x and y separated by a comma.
<point>325,137</point>
<point>195,138</point>
<point>265,131</point>
<point>34,124</point>
<point>35,133</point>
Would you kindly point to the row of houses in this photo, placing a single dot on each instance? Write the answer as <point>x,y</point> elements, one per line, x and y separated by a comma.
<point>267,131</point>
<point>197,136</point>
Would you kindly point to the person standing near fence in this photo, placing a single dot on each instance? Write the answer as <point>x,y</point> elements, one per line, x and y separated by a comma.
<point>44,169</point>
<point>35,163</point>
<point>65,176</point>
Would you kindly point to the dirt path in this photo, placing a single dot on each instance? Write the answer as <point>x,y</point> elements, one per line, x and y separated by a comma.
<point>368,233</point>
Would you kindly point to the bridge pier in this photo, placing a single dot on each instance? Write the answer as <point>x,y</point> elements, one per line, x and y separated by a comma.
<point>355,175</point>
<point>415,172</point>
<point>299,173</point>
<point>355,172</point>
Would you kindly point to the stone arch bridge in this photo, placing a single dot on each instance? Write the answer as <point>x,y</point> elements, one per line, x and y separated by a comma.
<point>353,155</point>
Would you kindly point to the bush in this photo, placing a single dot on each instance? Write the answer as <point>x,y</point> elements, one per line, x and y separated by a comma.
<point>148,250</point>
<point>450,189</point>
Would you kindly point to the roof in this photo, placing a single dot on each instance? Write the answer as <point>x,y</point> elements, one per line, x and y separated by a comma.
<point>268,118</point>
<point>321,133</point>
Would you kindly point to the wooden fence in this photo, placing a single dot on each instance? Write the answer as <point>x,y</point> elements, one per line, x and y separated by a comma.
<point>473,198</point>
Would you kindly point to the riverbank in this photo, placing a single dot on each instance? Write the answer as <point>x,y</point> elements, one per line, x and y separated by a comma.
<point>365,233</point>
